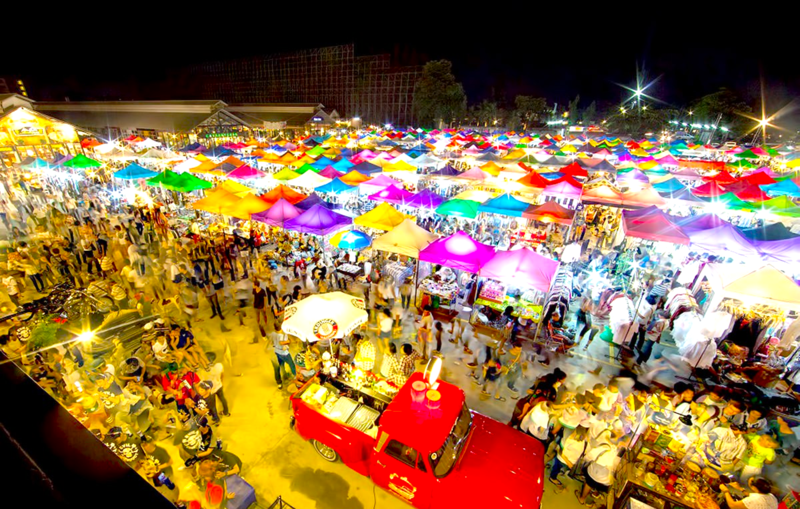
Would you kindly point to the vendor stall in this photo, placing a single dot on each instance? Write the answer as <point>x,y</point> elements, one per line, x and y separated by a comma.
<point>440,291</point>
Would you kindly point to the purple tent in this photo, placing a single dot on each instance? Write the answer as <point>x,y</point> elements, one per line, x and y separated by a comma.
<point>318,220</point>
<point>458,251</point>
<point>426,199</point>
<point>634,175</point>
<point>724,241</point>
<point>692,224</point>
<point>277,215</point>
<point>780,252</point>
<point>446,171</point>
<point>391,194</point>
<point>312,200</point>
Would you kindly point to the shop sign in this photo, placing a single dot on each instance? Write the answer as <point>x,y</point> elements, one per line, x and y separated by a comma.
<point>28,130</point>
<point>316,119</point>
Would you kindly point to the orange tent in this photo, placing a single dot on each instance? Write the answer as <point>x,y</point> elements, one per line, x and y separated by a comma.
<point>284,192</point>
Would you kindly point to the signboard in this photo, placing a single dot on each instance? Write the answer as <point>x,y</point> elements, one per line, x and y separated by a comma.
<point>28,130</point>
<point>316,119</point>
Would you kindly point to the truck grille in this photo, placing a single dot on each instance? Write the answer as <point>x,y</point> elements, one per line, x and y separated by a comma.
<point>363,418</point>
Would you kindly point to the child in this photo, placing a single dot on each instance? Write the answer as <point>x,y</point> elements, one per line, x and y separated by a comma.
<point>437,333</point>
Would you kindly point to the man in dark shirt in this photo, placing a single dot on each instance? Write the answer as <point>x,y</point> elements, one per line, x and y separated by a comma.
<point>158,455</point>
<point>259,304</point>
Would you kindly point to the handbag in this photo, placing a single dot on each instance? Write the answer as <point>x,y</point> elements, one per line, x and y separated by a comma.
<point>244,493</point>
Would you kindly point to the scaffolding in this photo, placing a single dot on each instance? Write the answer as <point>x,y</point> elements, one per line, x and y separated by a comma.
<point>365,86</point>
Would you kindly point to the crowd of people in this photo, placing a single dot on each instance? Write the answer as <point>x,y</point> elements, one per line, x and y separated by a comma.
<point>156,403</point>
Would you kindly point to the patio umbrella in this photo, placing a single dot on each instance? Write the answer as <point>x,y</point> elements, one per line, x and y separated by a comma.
<point>351,239</point>
<point>324,316</point>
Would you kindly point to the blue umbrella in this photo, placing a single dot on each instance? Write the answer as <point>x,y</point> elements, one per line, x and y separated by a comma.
<point>351,239</point>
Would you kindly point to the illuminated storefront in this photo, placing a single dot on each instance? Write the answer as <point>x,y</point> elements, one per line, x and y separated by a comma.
<point>28,134</point>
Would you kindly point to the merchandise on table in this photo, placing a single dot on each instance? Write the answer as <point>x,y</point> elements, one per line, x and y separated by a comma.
<point>495,297</point>
<point>350,269</point>
<point>439,289</point>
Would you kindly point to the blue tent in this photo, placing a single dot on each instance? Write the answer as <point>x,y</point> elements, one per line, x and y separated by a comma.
<point>504,205</point>
<point>783,188</point>
<point>133,172</point>
<point>342,165</point>
<point>311,200</point>
<point>367,168</point>
<point>553,175</point>
<point>37,164</point>
<point>322,163</point>
<point>446,171</point>
<point>335,186</point>
<point>669,186</point>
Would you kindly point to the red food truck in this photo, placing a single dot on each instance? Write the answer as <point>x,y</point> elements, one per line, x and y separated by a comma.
<point>422,444</point>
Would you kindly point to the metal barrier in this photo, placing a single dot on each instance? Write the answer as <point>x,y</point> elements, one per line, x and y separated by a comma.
<point>280,504</point>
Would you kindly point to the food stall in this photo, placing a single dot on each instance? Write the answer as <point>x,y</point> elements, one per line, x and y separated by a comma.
<point>440,290</point>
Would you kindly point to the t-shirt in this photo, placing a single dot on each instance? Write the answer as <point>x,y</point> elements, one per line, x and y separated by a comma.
<point>159,457</point>
<point>11,285</point>
<point>228,461</point>
<point>604,461</point>
<point>760,501</point>
<point>259,297</point>
<point>276,338</point>
<point>386,324</point>
<point>756,454</point>
<point>214,375</point>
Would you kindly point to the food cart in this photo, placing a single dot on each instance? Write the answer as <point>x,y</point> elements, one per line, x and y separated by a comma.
<point>440,289</point>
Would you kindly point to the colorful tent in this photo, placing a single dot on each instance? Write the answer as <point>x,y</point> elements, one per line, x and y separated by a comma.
<point>285,174</point>
<point>331,173</point>
<point>458,251</point>
<point>309,180</point>
<point>783,253</point>
<point>283,192</point>
<point>406,239</point>
<point>602,194</point>
<point>184,182</point>
<point>669,186</point>
<point>245,172</point>
<point>473,174</point>
<point>652,224</point>
<point>783,188</point>
<point>245,207</point>
<point>383,217</point>
<point>216,201</point>
<point>708,190</point>
<point>424,199</point>
<point>765,284</point>
<point>280,212</point>
<point>573,169</point>
<point>724,241</point>
<point>392,194</point>
<point>504,205</point>
<point>535,180</point>
<point>81,162</point>
<point>699,223</point>
<point>335,186</point>
<point>236,188</point>
<point>522,267</point>
<point>760,178</point>
<point>354,178</point>
<point>550,212</point>
<point>350,239</point>
<point>752,193</point>
<point>562,189</point>
<point>318,220</point>
<point>134,171</point>
<point>399,166</point>
<point>774,231</point>
<point>312,200</point>
<point>459,208</point>
<point>722,178</point>
<point>643,198</point>
<point>446,171</point>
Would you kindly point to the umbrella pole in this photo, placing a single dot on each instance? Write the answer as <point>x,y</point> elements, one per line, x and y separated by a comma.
<point>416,281</point>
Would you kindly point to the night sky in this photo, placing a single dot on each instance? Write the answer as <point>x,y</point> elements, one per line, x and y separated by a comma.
<point>496,55</point>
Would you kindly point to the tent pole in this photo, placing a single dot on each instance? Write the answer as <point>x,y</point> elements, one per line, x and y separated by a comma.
<point>416,280</point>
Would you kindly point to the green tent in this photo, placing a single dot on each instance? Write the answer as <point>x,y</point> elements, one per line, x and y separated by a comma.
<point>459,208</point>
<point>183,182</point>
<point>742,163</point>
<point>316,151</point>
<point>781,206</point>
<point>81,162</point>
<point>306,167</point>
<point>158,179</point>
<point>733,202</point>
<point>747,154</point>
<point>286,174</point>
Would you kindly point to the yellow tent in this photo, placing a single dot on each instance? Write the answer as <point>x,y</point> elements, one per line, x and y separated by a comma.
<point>286,174</point>
<point>515,154</point>
<point>354,177</point>
<point>648,165</point>
<point>216,201</point>
<point>245,207</point>
<point>233,187</point>
<point>398,166</point>
<point>491,168</point>
<point>383,217</point>
<point>205,167</point>
<point>568,148</point>
<point>475,195</point>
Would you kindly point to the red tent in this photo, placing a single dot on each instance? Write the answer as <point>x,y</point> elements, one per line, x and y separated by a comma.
<point>533,179</point>
<point>643,198</point>
<point>759,179</point>
<point>708,190</point>
<point>652,224</point>
<point>722,178</point>
<point>568,179</point>
<point>573,169</point>
<point>752,194</point>
<point>550,212</point>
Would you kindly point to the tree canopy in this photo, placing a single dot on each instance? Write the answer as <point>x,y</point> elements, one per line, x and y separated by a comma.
<point>529,111</point>
<point>725,102</point>
<point>438,98</point>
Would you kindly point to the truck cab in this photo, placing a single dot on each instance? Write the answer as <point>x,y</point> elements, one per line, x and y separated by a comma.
<point>428,448</point>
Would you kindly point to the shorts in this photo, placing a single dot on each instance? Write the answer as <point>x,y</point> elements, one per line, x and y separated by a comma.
<point>602,488</point>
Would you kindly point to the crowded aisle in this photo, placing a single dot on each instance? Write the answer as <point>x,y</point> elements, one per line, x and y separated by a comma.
<point>181,327</point>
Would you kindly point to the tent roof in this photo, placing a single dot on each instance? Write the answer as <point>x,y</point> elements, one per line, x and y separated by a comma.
<point>774,231</point>
<point>459,208</point>
<point>392,194</point>
<point>458,251</point>
<point>563,188</point>
<point>533,179</point>
<point>425,199</point>
<point>245,207</point>
<point>407,239</point>
<point>652,224</point>
<point>642,198</point>
<point>707,190</point>
<point>280,212</point>
<point>724,241</point>
<point>383,217</point>
<point>353,178</point>
<point>505,205</point>
<point>550,211</point>
<point>284,192</point>
<point>134,171</point>
<point>766,284</point>
<point>215,201</point>
<point>522,267</point>
<point>335,186</point>
<point>246,172</point>
<point>318,220</point>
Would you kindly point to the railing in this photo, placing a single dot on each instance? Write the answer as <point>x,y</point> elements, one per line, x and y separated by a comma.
<point>280,504</point>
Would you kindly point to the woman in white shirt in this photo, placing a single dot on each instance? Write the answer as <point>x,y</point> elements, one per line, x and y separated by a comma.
<point>537,422</point>
<point>760,498</point>
<point>569,451</point>
<point>602,461</point>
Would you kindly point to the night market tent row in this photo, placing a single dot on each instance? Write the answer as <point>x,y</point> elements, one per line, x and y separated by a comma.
<point>750,284</point>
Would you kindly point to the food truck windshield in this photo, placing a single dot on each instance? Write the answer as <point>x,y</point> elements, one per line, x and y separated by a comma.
<point>447,456</point>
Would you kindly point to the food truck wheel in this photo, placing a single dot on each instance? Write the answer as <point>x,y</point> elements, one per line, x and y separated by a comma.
<point>325,451</point>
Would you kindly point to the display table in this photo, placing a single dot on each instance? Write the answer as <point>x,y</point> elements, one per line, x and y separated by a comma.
<point>350,270</point>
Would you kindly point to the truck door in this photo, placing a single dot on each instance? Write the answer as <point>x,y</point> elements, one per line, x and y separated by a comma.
<point>402,470</point>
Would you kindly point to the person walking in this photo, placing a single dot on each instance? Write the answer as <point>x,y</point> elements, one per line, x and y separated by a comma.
<point>282,357</point>
<point>260,306</point>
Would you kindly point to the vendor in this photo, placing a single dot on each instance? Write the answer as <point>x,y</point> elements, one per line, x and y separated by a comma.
<point>759,498</point>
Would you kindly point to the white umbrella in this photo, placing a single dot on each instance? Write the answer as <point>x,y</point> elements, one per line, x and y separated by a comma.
<point>324,316</point>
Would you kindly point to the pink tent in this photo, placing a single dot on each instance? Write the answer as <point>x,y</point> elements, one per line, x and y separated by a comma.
<point>376,184</point>
<point>278,214</point>
<point>331,173</point>
<point>458,251</point>
<point>246,172</point>
<point>473,174</point>
<point>562,189</point>
<point>652,224</point>
<point>523,267</point>
<point>392,194</point>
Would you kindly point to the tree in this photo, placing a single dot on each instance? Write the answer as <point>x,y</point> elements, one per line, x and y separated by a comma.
<point>529,111</point>
<point>485,114</point>
<point>725,102</point>
<point>590,113</point>
<point>438,98</point>
<point>635,124</point>
<point>573,110</point>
